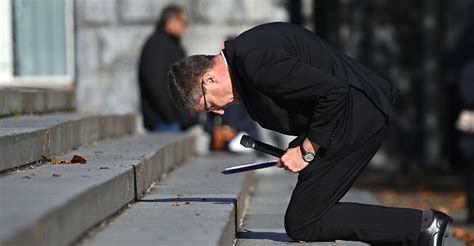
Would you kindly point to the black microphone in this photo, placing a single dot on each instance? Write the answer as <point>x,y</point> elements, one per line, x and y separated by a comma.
<point>250,142</point>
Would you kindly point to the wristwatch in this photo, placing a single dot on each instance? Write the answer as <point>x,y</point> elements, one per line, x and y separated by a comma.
<point>307,156</point>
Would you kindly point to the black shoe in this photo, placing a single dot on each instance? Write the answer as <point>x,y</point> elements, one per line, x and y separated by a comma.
<point>439,229</point>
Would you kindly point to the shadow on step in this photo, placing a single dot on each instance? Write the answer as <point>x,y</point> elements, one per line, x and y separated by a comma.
<point>214,200</point>
<point>273,236</point>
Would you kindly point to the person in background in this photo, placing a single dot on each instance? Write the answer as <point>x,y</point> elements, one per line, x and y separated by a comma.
<point>159,52</point>
<point>228,129</point>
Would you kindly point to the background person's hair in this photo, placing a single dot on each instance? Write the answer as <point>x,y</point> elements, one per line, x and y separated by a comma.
<point>184,80</point>
<point>168,13</point>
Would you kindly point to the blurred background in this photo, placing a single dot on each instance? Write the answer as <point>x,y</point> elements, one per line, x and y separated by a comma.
<point>424,46</point>
<point>94,46</point>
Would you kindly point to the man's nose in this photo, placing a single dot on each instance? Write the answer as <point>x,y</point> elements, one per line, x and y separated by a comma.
<point>219,111</point>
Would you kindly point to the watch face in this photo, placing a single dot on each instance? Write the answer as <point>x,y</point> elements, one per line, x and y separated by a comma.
<point>308,157</point>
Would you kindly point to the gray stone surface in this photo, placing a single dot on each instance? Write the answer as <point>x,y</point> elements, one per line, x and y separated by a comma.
<point>193,205</point>
<point>14,101</point>
<point>96,12</point>
<point>107,71</point>
<point>54,204</point>
<point>140,11</point>
<point>25,139</point>
<point>110,33</point>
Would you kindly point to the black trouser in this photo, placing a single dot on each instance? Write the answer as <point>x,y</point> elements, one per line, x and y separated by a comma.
<point>315,213</point>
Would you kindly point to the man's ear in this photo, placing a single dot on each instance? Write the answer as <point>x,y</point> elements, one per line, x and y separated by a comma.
<point>209,77</point>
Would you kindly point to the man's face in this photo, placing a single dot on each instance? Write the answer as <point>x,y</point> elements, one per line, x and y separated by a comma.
<point>216,97</point>
<point>177,25</point>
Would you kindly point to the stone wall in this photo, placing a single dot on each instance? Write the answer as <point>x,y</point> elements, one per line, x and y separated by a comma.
<point>109,35</point>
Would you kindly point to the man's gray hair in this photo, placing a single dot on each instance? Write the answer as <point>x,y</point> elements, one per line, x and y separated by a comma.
<point>184,80</point>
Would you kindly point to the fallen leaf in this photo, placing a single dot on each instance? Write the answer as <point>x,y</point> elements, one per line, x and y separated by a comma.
<point>104,168</point>
<point>57,161</point>
<point>56,175</point>
<point>33,174</point>
<point>26,177</point>
<point>78,159</point>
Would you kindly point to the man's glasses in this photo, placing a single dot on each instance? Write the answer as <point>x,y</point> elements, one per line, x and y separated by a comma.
<point>207,108</point>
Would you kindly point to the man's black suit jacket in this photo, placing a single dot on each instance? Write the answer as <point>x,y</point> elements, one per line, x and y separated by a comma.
<point>293,82</point>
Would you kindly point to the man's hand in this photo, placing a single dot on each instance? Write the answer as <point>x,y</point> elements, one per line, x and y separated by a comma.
<point>293,160</point>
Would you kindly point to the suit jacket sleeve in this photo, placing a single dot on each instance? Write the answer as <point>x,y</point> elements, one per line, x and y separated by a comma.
<point>283,77</point>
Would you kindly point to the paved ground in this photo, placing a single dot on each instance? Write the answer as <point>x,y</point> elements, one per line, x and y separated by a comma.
<point>263,222</point>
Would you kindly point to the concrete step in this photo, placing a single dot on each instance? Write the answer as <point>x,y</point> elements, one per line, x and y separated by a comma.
<point>24,139</point>
<point>55,204</point>
<point>193,205</point>
<point>20,100</point>
<point>263,222</point>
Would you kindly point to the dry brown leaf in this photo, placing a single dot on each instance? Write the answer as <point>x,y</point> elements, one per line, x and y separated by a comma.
<point>75,159</point>
<point>57,161</point>
<point>78,159</point>
<point>177,204</point>
<point>56,175</point>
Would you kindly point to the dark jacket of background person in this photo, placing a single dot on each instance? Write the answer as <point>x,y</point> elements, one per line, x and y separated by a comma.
<point>293,82</point>
<point>160,51</point>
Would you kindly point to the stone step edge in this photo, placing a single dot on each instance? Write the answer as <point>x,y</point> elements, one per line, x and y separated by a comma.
<point>27,148</point>
<point>228,232</point>
<point>17,101</point>
<point>240,205</point>
<point>173,154</point>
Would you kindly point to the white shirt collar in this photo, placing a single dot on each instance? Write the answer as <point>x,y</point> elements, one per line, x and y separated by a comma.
<point>225,60</point>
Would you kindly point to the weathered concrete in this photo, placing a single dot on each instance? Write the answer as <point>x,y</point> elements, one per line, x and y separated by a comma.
<point>193,205</point>
<point>14,101</point>
<point>25,139</point>
<point>54,204</point>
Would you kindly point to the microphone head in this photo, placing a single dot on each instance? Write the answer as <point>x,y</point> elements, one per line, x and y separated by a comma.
<point>247,141</point>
